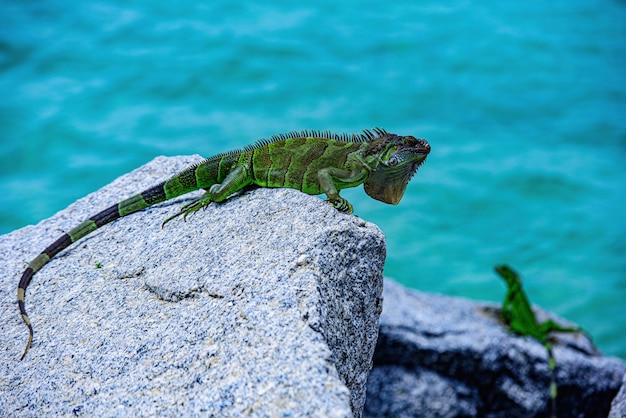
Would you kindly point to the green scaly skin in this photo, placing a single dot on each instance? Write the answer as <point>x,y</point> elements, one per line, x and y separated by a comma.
<point>519,316</point>
<point>313,162</point>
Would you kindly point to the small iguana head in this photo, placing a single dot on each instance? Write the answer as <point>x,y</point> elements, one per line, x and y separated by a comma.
<point>508,274</point>
<point>393,160</point>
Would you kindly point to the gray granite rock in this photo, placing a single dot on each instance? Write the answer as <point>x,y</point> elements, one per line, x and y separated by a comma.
<point>266,305</point>
<point>440,356</point>
<point>618,406</point>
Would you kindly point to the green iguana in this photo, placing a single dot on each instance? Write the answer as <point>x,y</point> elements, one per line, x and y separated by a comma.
<point>313,162</point>
<point>519,316</point>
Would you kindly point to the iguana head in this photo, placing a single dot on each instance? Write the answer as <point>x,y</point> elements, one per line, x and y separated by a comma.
<point>507,274</point>
<point>393,160</point>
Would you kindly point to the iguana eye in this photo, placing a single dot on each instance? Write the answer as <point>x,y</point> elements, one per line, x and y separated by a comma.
<point>393,161</point>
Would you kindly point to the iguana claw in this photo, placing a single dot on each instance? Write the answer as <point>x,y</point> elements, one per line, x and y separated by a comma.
<point>190,207</point>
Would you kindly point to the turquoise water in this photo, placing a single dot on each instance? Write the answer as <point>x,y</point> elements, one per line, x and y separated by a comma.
<point>524,104</point>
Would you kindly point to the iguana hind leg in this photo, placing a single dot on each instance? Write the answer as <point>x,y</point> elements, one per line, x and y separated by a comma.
<point>236,180</point>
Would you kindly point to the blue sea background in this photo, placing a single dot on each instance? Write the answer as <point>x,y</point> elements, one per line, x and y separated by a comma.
<point>524,104</point>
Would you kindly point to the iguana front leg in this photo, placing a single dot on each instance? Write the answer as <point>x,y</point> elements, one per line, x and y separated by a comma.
<point>329,179</point>
<point>551,326</point>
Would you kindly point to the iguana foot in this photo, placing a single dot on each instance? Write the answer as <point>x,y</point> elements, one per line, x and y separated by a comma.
<point>341,204</point>
<point>191,207</point>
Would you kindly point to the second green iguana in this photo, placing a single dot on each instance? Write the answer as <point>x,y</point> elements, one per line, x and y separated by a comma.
<point>313,162</point>
<point>520,317</point>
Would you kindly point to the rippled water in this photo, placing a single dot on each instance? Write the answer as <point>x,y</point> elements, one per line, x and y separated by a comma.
<point>524,104</point>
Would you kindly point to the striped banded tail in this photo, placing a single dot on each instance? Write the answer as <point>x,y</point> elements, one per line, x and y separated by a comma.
<point>125,207</point>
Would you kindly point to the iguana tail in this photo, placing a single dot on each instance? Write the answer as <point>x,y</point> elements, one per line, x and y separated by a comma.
<point>182,183</point>
<point>553,389</point>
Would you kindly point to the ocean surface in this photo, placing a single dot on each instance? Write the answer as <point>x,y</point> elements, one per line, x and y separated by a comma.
<point>524,104</point>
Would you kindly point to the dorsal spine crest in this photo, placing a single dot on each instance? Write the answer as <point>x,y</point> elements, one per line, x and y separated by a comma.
<point>364,136</point>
